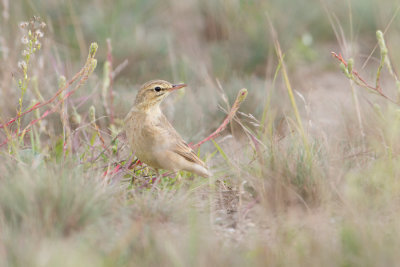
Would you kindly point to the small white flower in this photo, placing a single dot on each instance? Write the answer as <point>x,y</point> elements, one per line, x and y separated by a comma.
<point>307,39</point>
<point>24,39</point>
<point>22,64</point>
<point>25,52</point>
<point>39,33</point>
<point>23,24</point>
<point>42,25</point>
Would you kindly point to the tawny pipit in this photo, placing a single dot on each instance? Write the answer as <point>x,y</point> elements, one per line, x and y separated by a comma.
<point>153,139</point>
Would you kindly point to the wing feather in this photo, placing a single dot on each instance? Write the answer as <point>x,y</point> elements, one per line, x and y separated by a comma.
<point>179,146</point>
<point>185,151</point>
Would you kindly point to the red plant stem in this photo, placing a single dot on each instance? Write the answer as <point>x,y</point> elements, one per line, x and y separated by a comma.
<point>114,171</point>
<point>378,89</point>
<point>44,115</point>
<point>7,140</point>
<point>83,74</point>
<point>341,59</point>
<point>239,99</point>
<point>39,105</point>
<point>52,110</point>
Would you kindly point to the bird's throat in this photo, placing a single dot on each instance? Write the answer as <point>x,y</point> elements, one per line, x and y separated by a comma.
<point>150,110</point>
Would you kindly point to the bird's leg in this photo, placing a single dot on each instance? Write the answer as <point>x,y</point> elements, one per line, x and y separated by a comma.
<point>157,179</point>
<point>133,179</point>
<point>178,177</point>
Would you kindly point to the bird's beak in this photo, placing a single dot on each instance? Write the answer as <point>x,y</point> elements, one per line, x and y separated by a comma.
<point>177,86</point>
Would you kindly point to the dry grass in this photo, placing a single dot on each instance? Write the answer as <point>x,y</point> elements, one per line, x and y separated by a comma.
<point>307,173</point>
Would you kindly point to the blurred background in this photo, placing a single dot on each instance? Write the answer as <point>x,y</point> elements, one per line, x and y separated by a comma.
<point>200,43</point>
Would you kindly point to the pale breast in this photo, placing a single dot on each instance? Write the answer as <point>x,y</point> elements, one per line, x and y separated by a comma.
<point>144,137</point>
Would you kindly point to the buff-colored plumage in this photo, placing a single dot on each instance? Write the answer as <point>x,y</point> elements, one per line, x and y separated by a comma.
<point>153,139</point>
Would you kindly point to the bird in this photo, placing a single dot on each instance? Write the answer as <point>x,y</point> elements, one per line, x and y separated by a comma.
<point>152,137</point>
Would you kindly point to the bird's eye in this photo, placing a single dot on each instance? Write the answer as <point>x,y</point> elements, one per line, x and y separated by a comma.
<point>157,89</point>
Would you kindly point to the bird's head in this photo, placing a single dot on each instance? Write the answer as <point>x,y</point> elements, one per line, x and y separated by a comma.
<point>152,93</point>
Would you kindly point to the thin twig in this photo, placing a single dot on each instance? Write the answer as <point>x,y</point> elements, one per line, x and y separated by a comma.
<point>360,81</point>
<point>239,99</point>
<point>110,76</point>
